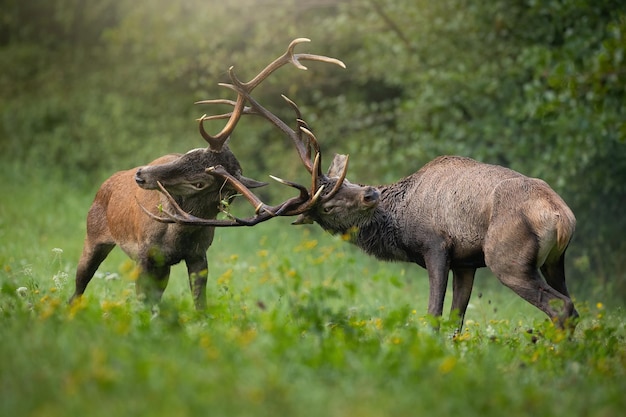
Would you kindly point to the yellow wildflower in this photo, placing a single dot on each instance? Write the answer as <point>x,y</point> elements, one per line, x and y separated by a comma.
<point>224,279</point>
<point>447,365</point>
<point>378,323</point>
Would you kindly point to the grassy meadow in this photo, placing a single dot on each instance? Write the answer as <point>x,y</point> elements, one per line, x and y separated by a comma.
<point>299,323</point>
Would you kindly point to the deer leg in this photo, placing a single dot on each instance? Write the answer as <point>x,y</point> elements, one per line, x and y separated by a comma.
<point>532,288</point>
<point>153,278</point>
<point>554,273</point>
<point>462,283</point>
<point>90,260</point>
<point>438,268</point>
<point>198,272</point>
<point>511,252</point>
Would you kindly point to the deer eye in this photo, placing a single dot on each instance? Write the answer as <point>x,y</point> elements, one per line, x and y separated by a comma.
<point>327,209</point>
<point>199,185</point>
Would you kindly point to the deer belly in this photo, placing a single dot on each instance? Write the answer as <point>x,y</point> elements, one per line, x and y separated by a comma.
<point>131,249</point>
<point>467,251</point>
<point>476,260</point>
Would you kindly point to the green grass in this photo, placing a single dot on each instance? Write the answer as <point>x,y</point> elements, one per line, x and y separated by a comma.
<point>299,324</point>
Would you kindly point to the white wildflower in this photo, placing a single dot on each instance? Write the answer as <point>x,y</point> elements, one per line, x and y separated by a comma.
<point>60,279</point>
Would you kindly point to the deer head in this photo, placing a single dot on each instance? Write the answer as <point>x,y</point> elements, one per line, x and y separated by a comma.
<point>187,175</point>
<point>346,205</point>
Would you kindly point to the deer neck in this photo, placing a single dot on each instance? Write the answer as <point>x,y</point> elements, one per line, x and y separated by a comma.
<point>381,235</point>
<point>378,236</point>
<point>200,205</point>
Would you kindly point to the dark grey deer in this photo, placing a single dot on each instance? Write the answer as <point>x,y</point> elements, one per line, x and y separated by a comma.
<point>453,214</point>
<point>459,214</point>
<point>188,182</point>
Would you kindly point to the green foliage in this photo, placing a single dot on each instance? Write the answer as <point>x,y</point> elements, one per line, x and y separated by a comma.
<point>297,324</point>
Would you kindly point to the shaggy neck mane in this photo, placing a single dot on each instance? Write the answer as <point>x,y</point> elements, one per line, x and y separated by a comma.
<point>197,204</point>
<point>379,235</point>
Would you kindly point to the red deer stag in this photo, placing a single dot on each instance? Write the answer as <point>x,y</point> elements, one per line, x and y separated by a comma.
<point>453,214</point>
<point>118,214</point>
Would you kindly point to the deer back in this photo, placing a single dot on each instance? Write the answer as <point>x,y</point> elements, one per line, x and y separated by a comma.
<point>453,201</point>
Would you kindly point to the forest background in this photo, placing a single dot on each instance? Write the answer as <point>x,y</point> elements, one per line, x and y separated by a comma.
<point>92,87</point>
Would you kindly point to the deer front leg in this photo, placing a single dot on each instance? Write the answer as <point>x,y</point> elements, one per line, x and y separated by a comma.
<point>198,273</point>
<point>438,267</point>
<point>462,283</point>
<point>153,277</point>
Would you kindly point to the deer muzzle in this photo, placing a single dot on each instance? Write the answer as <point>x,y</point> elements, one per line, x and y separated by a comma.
<point>139,179</point>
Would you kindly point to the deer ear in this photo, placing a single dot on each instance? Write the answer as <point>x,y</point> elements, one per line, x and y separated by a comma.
<point>250,183</point>
<point>337,166</point>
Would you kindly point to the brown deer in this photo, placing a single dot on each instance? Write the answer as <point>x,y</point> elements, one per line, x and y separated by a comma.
<point>453,214</point>
<point>188,182</point>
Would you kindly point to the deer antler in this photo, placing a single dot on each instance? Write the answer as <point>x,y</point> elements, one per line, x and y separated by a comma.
<point>304,140</point>
<point>262,211</point>
<point>243,90</point>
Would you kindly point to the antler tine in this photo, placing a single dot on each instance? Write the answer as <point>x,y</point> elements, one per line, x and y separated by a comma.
<point>217,101</point>
<point>313,143</point>
<point>154,216</point>
<point>306,146</point>
<point>290,57</point>
<point>246,109</point>
<point>309,199</point>
<point>217,142</point>
<point>315,173</point>
<point>293,105</point>
<point>303,191</point>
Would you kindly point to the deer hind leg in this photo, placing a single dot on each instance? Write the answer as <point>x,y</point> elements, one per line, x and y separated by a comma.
<point>554,273</point>
<point>90,260</point>
<point>511,252</point>
<point>462,283</point>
